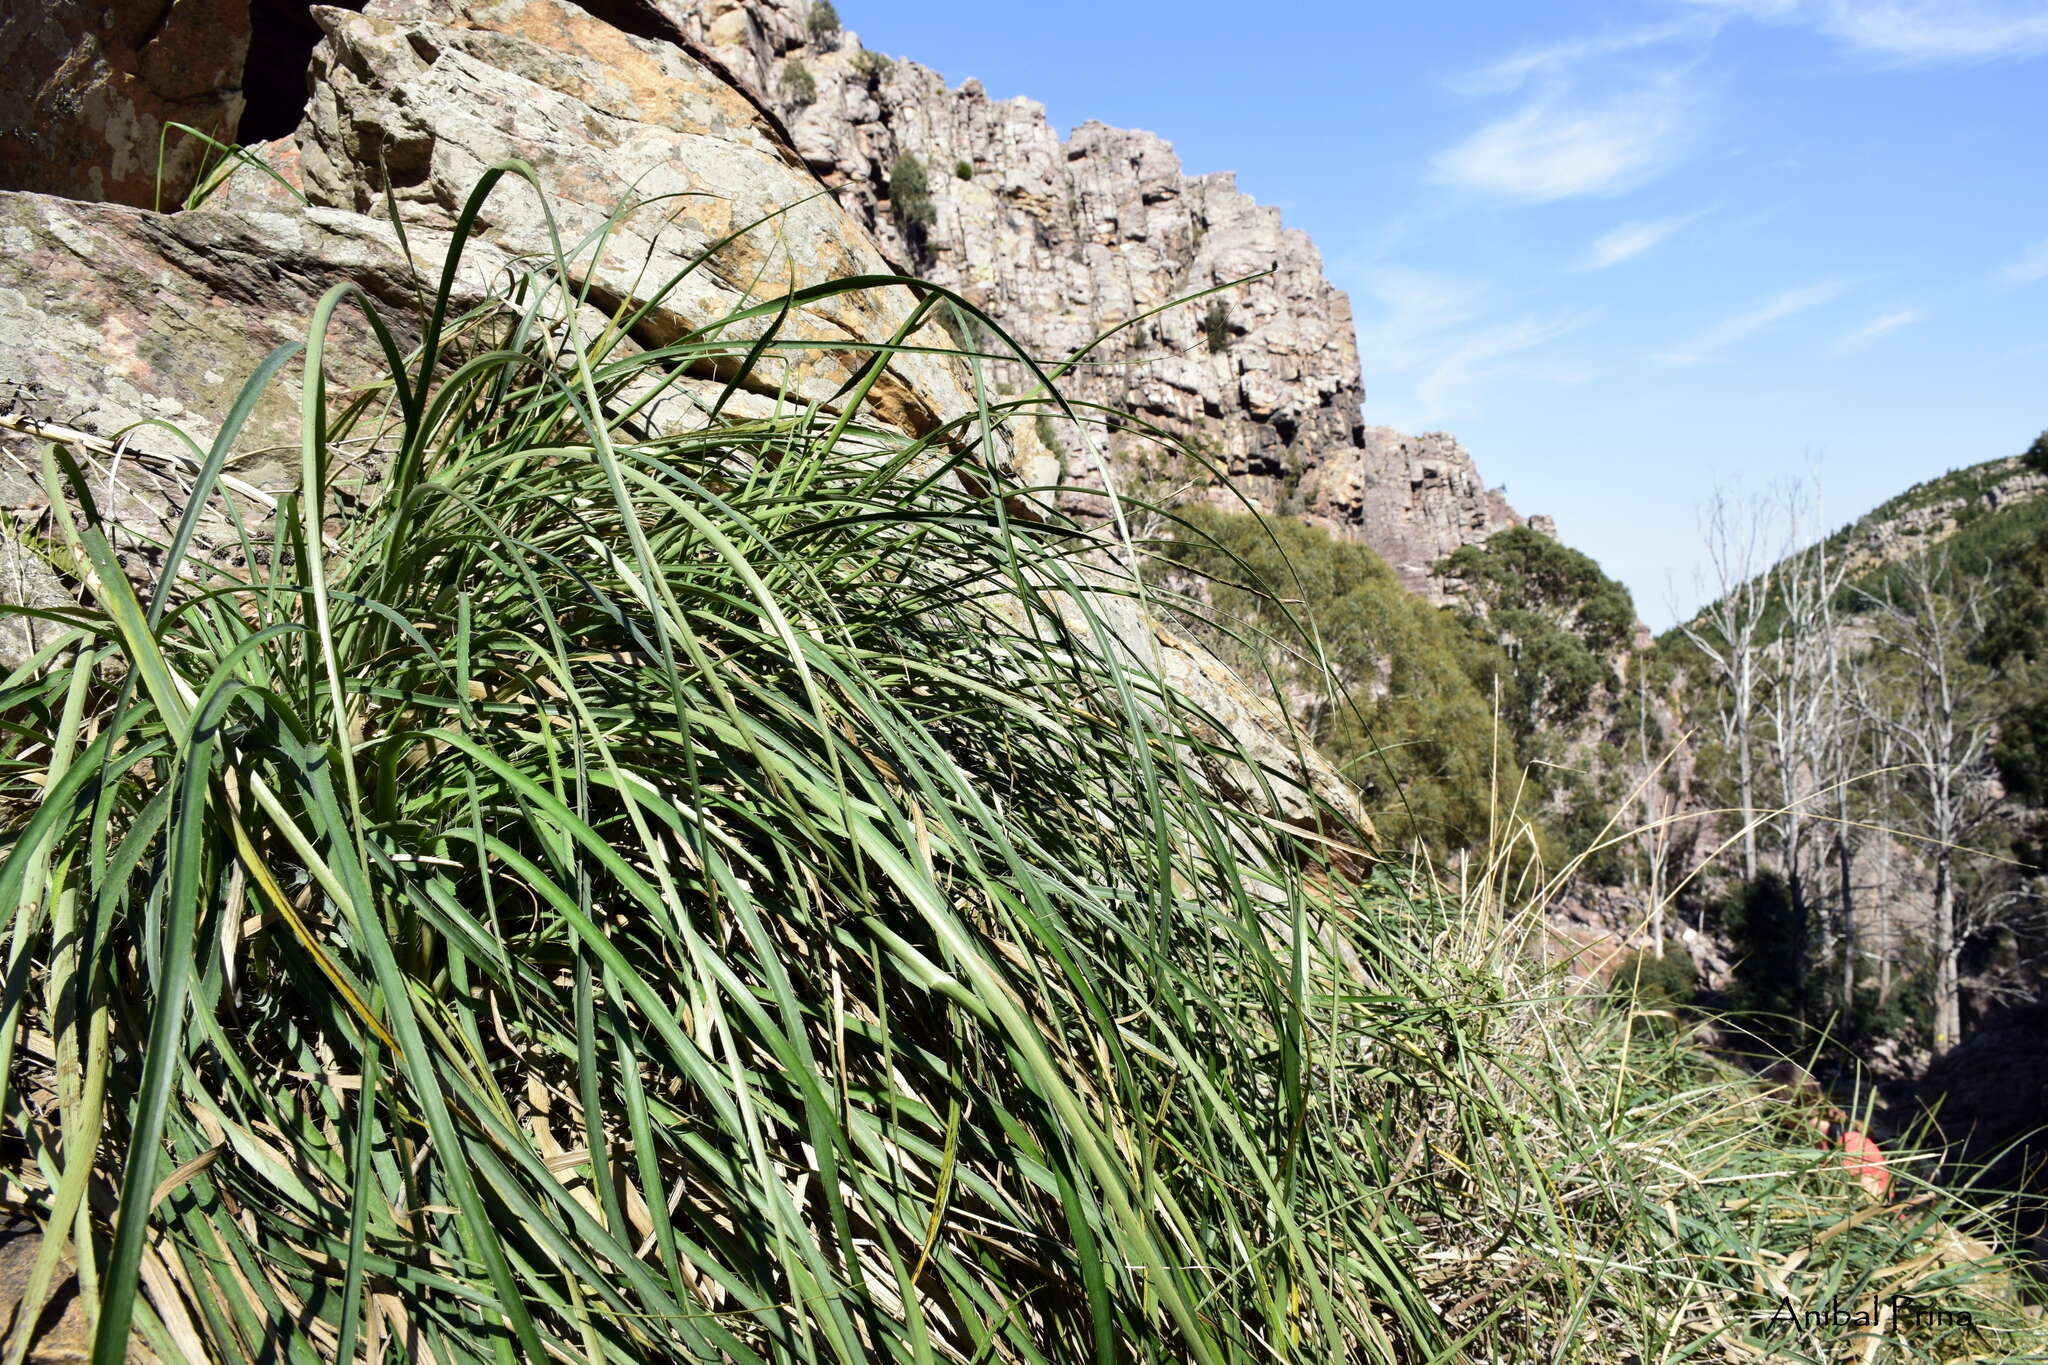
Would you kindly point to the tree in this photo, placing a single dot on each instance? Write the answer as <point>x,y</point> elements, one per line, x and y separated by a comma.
<point>1557,618</point>
<point>823,24</point>
<point>1802,707</point>
<point>1381,680</point>
<point>2037,454</point>
<point>1728,631</point>
<point>1929,620</point>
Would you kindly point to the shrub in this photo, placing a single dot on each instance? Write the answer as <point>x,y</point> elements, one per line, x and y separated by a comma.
<point>1393,703</point>
<point>1652,982</point>
<point>2037,454</point>
<point>1216,327</point>
<point>823,24</point>
<point>874,68</point>
<point>963,170</point>
<point>799,87</point>
<point>910,196</point>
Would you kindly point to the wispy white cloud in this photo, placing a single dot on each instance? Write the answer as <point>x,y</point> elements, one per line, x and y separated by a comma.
<point>1630,240</point>
<point>1918,32</point>
<point>1753,9</point>
<point>1556,60</point>
<point>2031,266</point>
<point>1718,338</point>
<point>1553,148</point>
<point>1454,381</point>
<point>1883,325</point>
<point>1427,330</point>
<point>1939,30</point>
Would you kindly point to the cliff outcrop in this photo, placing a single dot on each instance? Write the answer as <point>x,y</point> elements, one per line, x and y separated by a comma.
<point>1064,240</point>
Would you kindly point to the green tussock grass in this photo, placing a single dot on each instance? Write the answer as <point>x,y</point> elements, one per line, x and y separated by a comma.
<point>731,892</point>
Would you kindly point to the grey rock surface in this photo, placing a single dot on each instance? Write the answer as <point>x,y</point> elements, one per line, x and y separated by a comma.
<point>1064,240</point>
<point>87,87</point>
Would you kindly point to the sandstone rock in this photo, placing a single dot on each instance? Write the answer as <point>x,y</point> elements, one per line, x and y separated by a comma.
<point>1064,240</point>
<point>86,89</point>
<point>625,134</point>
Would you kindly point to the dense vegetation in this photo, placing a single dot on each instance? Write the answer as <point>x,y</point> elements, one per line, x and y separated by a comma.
<point>725,892</point>
<point>1468,727</point>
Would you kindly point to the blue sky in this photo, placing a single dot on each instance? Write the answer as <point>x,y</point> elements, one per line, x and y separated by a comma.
<point>1628,252</point>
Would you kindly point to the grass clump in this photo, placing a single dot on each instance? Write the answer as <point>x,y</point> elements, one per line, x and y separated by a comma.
<point>910,195</point>
<point>735,892</point>
<point>873,67</point>
<point>823,24</point>
<point>963,169</point>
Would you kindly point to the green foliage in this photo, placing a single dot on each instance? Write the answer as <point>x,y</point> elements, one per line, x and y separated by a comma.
<point>910,196</point>
<point>799,87</point>
<point>823,23</point>
<point>1557,618</point>
<point>1655,982</point>
<point>1398,710</point>
<point>1764,930</point>
<point>963,170</point>
<point>1216,329</point>
<point>873,67</point>
<point>2036,457</point>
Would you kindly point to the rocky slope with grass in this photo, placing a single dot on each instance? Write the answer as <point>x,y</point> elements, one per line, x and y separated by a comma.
<point>116,321</point>
<point>638,868</point>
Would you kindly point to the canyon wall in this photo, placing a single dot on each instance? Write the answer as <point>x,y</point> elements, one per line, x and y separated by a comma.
<point>1062,241</point>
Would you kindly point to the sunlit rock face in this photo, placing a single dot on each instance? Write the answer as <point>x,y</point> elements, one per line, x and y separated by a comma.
<point>1064,240</point>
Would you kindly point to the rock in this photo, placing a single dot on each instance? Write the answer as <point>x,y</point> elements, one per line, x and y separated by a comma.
<point>86,90</point>
<point>1415,499</point>
<point>61,1336</point>
<point>1989,1099</point>
<point>434,94</point>
<point>1062,241</point>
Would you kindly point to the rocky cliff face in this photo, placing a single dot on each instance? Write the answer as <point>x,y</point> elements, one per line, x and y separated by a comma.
<point>1063,241</point>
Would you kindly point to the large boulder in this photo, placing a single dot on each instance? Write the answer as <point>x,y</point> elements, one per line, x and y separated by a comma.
<point>87,88</point>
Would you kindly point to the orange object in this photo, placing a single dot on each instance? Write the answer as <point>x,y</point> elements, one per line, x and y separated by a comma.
<point>1864,1159</point>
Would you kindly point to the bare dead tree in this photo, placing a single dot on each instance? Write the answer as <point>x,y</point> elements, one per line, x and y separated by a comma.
<point>1800,704</point>
<point>1936,717</point>
<point>1740,554</point>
